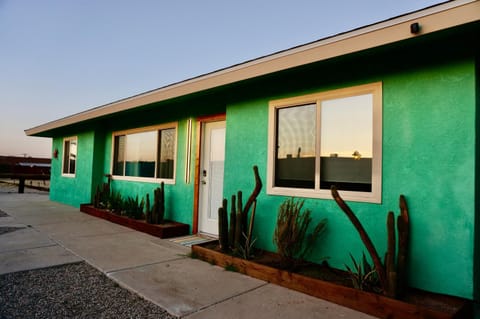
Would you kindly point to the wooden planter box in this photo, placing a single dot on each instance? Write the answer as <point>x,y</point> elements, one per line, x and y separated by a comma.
<point>370,303</point>
<point>167,230</point>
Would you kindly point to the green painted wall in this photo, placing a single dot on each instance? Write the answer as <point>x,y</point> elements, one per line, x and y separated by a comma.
<point>178,196</point>
<point>477,194</point>
<point>74,190</point>
<point>428,155</point>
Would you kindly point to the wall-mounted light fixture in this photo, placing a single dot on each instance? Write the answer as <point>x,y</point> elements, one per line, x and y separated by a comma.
<point>55,153</point>
<point>415,28</point>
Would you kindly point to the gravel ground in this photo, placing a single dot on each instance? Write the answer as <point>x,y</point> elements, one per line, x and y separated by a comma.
<point>70,291</point>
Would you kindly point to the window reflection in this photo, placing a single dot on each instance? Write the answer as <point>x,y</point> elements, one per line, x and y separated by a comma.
<point>69,156</point>
<point>346,139</point>
<point>346,144</point>
<point>140,154</point>
<point>295,156</point>
<point>145,154</point>
<point>167,152</point>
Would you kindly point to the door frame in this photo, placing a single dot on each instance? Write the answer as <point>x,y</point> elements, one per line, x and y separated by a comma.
<point>201,121</point>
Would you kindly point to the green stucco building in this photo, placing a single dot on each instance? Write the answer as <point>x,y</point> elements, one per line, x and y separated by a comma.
<point>384,110</point>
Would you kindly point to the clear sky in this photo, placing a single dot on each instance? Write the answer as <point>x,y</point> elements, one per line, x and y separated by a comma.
<point>60,57</point>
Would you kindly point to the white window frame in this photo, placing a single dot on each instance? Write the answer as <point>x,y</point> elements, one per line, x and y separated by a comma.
<point>69,140</point>
<point>172,125</point>
<point>375,196</point>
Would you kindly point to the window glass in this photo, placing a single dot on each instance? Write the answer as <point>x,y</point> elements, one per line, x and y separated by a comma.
<point>166,153</point>
<point>66,157</point>
<point>324,139</point>
<point>140,154</point>
<point>118,157</point>
<point>149,154</point>
<point>69,156</point>
<point>295,156</point>
<point>346,143</point>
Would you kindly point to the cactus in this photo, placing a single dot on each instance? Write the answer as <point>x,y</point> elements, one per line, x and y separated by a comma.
<point>390,267</point>
<point>392,277</point>
<point>238,230</point>
<point>96,198</point>
<point>222,221</point>
<point>148,212</point>
<point>158,210</point>
<point>161,206</point>
<point>234,234</point>
<point>223,226</point>
<point>102,196</point>
<point>231,232</point>
<point>248,238</point>
<point>403,228</point>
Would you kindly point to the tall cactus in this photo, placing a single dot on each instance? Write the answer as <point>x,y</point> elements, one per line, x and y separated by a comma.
<point>233,219</point>
<point>238,224</point>
<point>403,228</point>
<point>158,209</point>
<point>392,276</point>
<point>223,226</point>
<point>390,266</point>
<point>148,212</point>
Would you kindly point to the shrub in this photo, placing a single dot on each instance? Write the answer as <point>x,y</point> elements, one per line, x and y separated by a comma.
<point>291,236</point>
<point>133,208</point>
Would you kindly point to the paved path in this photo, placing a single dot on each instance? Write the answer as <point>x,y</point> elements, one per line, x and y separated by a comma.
<point>49,233</point>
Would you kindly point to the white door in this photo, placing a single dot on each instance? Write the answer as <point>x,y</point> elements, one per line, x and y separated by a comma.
<point>211,176</point>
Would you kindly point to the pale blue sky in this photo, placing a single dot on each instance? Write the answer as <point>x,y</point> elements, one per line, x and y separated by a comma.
<point>60,57</point>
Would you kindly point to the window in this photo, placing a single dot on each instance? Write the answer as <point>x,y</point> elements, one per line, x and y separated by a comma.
<point>325,139</point>
<point>145,153</point>
<point>69,156</point>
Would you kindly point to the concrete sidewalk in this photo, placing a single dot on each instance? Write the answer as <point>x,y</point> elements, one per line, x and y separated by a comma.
<point>52,234</point>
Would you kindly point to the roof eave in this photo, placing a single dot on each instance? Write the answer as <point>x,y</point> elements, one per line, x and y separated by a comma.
<point>432,19</point>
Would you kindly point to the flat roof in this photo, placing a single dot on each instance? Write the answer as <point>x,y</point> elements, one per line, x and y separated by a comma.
<point>432,19</point>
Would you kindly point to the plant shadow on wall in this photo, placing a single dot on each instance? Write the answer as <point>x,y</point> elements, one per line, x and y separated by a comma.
<point>378,289</point>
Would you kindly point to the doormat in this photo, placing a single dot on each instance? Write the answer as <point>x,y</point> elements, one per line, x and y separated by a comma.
<point>190,240</point>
